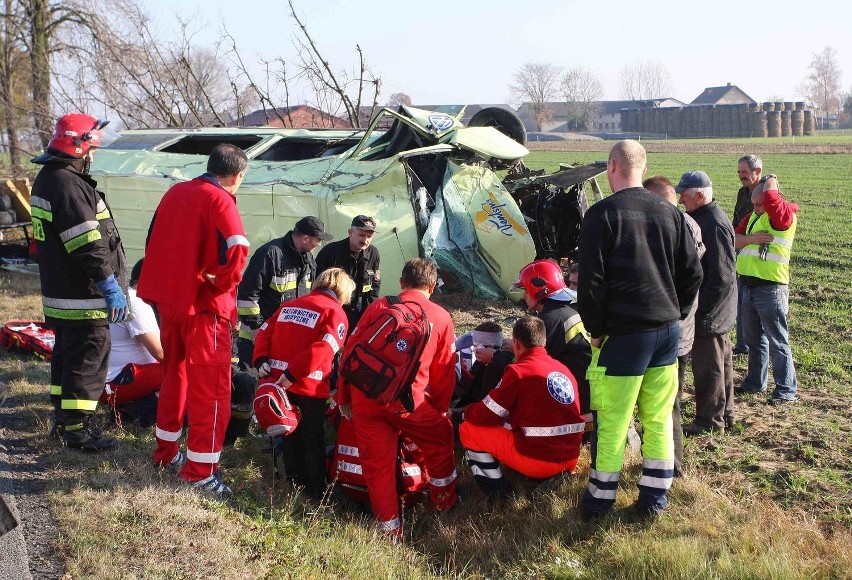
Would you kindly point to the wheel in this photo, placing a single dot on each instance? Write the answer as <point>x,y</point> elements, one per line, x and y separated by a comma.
<point>8,217</point>
<point>5,202</point>
<point>503,120</point>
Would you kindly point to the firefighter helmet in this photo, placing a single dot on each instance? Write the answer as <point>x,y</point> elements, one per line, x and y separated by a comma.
<point>541,279</point>
<point>74,135</point>
<point>273,410</point>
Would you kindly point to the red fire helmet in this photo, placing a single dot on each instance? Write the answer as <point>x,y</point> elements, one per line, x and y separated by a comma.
<point>273,410</point>
<point>76,133</point>
<point>541,279</point>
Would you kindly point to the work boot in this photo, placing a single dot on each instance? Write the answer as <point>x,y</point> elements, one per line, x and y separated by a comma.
<point>56,430</point>
<point>87,437</point>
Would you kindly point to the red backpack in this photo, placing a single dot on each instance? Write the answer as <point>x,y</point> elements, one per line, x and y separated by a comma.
<point>28,336</point>
<point>386,356</point>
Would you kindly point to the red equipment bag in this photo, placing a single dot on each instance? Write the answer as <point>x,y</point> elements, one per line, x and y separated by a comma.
<point>345,468</point>
<point>28,336</point>
<point>385,359</point>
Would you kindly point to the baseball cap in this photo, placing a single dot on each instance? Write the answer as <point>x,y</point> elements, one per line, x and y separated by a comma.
<point>693,179</point>
<point>364,222</point>
<point>312,226</point>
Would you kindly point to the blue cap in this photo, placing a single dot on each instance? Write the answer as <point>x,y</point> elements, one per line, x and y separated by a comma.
<point>693,180</point>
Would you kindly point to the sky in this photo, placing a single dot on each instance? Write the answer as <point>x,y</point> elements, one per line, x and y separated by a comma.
<point>465,51</point>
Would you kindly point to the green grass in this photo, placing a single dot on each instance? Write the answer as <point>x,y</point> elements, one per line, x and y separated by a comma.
<point>771,500</point>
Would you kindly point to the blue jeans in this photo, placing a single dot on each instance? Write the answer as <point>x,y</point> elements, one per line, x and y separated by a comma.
<point>740,345</point>
<point>764,313</point>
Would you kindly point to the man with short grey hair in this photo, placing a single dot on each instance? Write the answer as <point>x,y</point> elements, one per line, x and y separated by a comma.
<point>712,366</point>
<point>749,169</point>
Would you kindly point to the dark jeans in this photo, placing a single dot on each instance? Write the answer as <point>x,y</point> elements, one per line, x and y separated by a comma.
<point>304,448</point>
<point>677,428</point>
<point>740,337</point>
<point>713,370</point>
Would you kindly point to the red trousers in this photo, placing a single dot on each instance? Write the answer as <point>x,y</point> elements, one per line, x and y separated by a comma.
<point>146,379</point>
<point>500,443</point>
<point>378,431</point>
<point>196,387</point>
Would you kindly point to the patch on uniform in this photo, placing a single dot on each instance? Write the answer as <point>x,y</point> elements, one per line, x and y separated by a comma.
<point>301,316</point>
<point>402,345</point>
<point>560,388</point>
<point>341,331</point>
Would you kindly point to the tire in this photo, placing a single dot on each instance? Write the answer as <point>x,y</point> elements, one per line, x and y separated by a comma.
<point>5,202</point>
<point>8,217</point>
<point>503,120</point>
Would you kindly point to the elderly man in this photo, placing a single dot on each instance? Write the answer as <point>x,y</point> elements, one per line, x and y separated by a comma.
<point>712,366</point>
<point>639,274</point>
<point>765,239</point>
<point>749,168</point>
<point>360,259</point>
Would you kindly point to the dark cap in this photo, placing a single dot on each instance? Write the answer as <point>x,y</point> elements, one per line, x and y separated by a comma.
<point>693,180</point>
<point>364,222</point>
<point>136,272</point>
<point>312,226</point>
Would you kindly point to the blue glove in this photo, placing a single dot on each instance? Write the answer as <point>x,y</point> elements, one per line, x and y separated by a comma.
<point>116,302</point>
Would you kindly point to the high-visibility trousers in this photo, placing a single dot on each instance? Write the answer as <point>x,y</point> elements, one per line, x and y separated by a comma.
<point>630,370</point>
<point>196,387</point>
<point>378,429</point>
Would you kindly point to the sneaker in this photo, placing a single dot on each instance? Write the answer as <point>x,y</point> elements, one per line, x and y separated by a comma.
<point>177,462</point>
<point>213,486</point>
<point>778,401</point>
<point>87,438</point>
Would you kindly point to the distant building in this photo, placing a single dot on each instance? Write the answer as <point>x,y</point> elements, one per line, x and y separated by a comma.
<point>295,117</point>
<point>607,116</point>
<point>727,95</point>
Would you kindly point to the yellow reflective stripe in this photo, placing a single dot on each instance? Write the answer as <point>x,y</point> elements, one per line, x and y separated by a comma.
<point>366,288</point>
<point>103,215</point>
<point>244,311</point>
<point>82,240</point>
<point>246,334</point>
<point>74,314</point>
<point>44,214</point>
<point>578,328</point>
<point>55,389</point>
<point>283,287</point>
<point>79,404</point>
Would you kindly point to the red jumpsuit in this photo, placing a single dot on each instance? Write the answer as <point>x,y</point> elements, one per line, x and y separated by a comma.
<point>378,427</point>
<point>195,253</point>
<point>530,421</point>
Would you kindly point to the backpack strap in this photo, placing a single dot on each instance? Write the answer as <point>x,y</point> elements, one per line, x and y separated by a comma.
<point>394,300</point>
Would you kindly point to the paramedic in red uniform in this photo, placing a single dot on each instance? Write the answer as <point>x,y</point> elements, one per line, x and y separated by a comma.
<point>296,348</point>
<point>378,427</point>
<point>195,253</point>
<point>530,421</point>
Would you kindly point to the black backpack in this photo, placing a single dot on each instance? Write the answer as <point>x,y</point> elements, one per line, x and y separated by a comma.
<point>386,356</point>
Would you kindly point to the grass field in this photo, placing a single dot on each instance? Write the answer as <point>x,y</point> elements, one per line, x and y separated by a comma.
<point>771,500</point>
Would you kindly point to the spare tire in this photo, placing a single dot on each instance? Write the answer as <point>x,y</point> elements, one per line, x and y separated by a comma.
<point>503,120</point>
<point>8,217</point>
<point>5,202</point>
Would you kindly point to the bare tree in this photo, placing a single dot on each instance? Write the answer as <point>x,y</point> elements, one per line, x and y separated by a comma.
<point>822,84</point>
<point>537,84</point>
<point>397,99</point>
<point>12,82</point>
<point>644,80</point>
<point>583,91</point>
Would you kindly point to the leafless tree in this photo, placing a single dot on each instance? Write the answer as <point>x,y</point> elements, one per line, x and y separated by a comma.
<point>537,84</point>
<point>822,84</point>
<point>582,91</point>
<point>397,99</point>
<point>644,80</point>
<point>13,85</point>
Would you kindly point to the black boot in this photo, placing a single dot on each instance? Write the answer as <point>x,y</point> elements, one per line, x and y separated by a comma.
<point>489,477</point>
<point>87,437</point>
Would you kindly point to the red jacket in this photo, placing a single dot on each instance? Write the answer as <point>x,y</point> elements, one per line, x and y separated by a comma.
<point>196,229</point>
<point>300,341</point>
<point>538,399</point>
<point>779,209</point>
<point>437,374</point>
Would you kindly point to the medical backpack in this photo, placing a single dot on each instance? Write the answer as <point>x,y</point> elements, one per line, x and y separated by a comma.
<point>29,337</point>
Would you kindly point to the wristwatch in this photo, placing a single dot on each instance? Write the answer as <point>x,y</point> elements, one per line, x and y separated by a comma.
<point>765,177</point>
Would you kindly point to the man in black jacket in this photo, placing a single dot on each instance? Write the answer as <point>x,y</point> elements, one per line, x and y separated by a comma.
<point>360,259</point>
<point>280,270</point>
<point>639,274</point>
<point>712,366</point>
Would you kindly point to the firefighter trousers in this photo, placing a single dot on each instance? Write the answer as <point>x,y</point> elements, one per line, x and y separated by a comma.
<point>377,430</point>
<point>78,369</point>
<point>630,370</point>
<point>196,387</point>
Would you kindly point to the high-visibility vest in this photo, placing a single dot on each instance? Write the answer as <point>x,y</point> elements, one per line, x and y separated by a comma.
<point>775,266</point>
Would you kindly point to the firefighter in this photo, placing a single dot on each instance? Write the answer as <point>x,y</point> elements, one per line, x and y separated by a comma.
<point>537,396</point>
<point>378,427</point>
<point>83,277</point>
<point>358,258</point>
<point>195,295</point>
<point>296,348</point>
<point>280,270</point>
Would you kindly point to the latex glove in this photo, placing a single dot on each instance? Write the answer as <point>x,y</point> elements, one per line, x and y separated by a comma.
<point>115,299</point>
<point>263,369</point>
<point>346,411</point>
